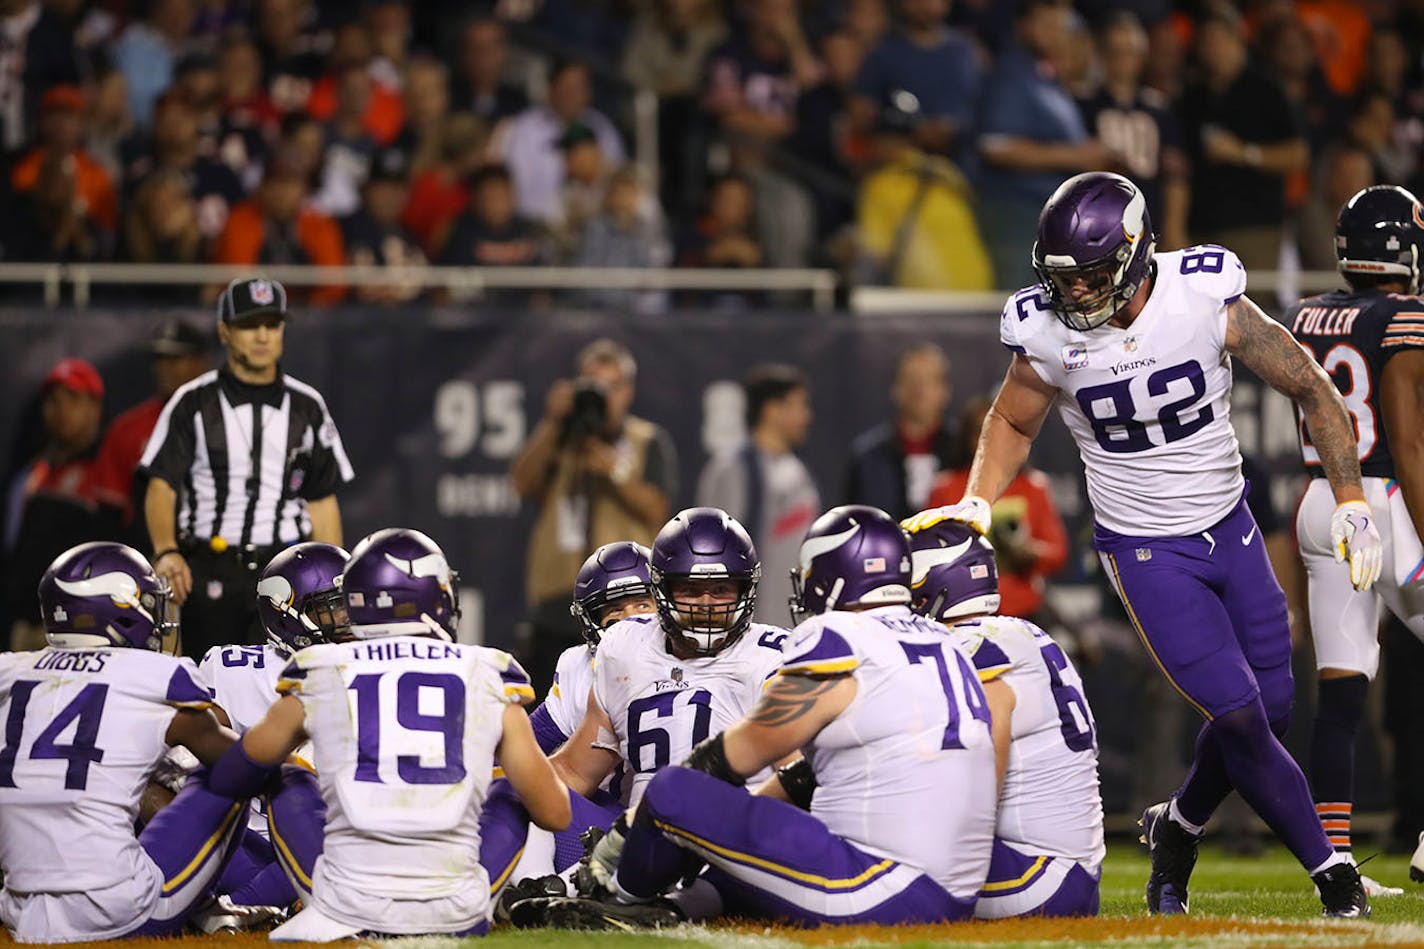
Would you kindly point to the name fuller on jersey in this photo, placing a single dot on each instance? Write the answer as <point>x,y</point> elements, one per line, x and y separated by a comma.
<point>1325,320</point>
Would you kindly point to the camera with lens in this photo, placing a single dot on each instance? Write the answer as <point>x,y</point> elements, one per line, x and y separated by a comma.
<point>588,418</point>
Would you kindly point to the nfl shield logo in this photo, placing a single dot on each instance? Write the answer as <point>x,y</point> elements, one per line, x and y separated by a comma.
<point>676,674</point>
<point>261,292</point>
<point>1130,344</point>
<point>215,589</point>
<point>1144,554</point>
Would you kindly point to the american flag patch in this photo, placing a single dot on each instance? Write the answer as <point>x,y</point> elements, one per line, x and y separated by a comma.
<point>874,565</point>
<point>978,571</point>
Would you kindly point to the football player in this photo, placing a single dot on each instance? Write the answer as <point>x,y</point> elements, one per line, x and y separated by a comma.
<point>1048,844</point>
<point>893,723</point>
<point>87,719</point>
<point>1370,339</point>
<point>405,725</point>
<point>1135,349</point>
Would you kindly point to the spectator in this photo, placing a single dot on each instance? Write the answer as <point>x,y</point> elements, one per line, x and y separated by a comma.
<point>867,20</point>
<point>1342,171</point>
<point>1371,127</point>
<point>382,111</point>
<point>764,485</point>
<point>586,175</point>
<point>17,19</point>
<point>1136,122</point>
<point>1030,542</point>
<point>823,133</point>
<point>1242,138</point>
<point>596,474</point>
<point>1284,48</point>
<point>426,92</point>
<point>52,222</point>
<point>290,52</point>
<point>247,114</point>
<point>108,125</point>
<point>1341,32</point>
<point>1387,69</point>
<point>274,227</point>
<point>240,147</point>
<point>725,236</point>
<point>52,503</point>
<point>914,220</point>
<point>480,86</point>
<point>374,235</point>
<point>441,192</point>
<point>301,148</point>
<point>346,157</point>
<point>628,232</point>
<point>147,51</point>
<point>387,22</point>
<point>179,352</point>
<point>936,64</point>
<point>61,136</point>
<point>1031,137</point>
<point>491,232</point>
<point>174,147</point>
<point>64,48</point>
<point>528,147</point>
<point>894,465</point>
<point>752,84</point>
<point>161,224</point>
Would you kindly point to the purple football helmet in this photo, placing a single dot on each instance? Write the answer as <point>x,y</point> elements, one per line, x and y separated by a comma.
<point>104,594</point>
<point>704,543</point>
<point>398,583</point>
<point>612,572</point>
<point>953,571</point>
<point>298,597</point>
<point>1095,230</point>
<point>853,555</point>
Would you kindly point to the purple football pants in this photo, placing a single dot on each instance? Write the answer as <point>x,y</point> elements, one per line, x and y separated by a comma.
<point>1023,884</point>
<point>1213,618</point>
<point>504,829</point>
<point>769,859</point>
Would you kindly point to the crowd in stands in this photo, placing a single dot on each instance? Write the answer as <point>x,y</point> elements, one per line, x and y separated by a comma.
<point>907,142</point>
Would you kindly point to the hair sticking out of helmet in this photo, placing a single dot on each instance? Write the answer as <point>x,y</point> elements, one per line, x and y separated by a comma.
<point>1379,237</point>
<point>104,594</point>
<point>953,571</point>
<point>398,583</point>
<point>612,574</point>
<point>1093,248</point>
<point>298,597</point>
<point>854,555</point>
<point>704,570</point>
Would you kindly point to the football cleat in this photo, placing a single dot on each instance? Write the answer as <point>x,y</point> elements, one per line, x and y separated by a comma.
<point>599,864</point>
<point>1173,851</point>
<point>1416,862</point>
<point>528,889</point>
<point>1342,892</point>
<point>225,916</point>
<point>563,912</point>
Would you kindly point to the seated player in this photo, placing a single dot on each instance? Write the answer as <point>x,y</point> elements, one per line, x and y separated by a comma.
<point>87,720</point>
<point>898,773</point>
<point>1048,846</point>
<point>405,725</point>
<point>664,683</point>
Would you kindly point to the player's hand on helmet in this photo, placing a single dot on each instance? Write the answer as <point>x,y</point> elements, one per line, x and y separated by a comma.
<point>1354,537</point>
<point>971,510</point>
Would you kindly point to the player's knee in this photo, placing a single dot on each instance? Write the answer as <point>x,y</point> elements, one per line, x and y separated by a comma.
<point>1243,728</point>
<point>670,790</point>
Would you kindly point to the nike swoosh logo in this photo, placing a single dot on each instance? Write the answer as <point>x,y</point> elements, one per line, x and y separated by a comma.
<point>923,561</point>
<point>1246,541</point>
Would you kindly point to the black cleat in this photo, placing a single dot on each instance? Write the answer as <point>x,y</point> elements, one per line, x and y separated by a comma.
<point>565,912</point>
<point>1342,892</point>
<point>532,888</point>
<point>1173,850</point>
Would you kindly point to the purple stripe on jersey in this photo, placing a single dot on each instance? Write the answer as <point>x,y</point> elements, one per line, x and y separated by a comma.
<point>514,674</point>
<point>294,671</point>
<point>989,656</point>
<point>1230,300</point>
<point>1018,349</point>
<point>183,690</point>
<point>829,647</point>
<point>546,733</point>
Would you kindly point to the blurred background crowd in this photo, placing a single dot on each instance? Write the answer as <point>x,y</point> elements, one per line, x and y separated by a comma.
<point>903,142</point>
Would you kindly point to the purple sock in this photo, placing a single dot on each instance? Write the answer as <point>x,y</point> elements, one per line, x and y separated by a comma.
<point>270,887</point>
<point>1206,784</point>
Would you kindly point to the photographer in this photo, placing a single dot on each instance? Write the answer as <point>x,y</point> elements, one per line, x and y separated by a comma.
<point>598,475</point>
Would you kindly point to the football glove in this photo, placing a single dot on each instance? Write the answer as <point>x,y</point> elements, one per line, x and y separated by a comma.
<point>1354,537</point>
<point>971,510</point>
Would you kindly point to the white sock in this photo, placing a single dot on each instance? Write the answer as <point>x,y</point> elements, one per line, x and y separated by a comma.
<point>1176,815</point>
<point>1335,858</point>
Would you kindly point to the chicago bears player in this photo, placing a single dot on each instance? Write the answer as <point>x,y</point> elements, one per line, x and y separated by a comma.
<point>405,725</point>
<point>1048,846</point>
<point>86,720</point>
<point>892,722</point>
<point>1135,349</point>
<point>1370,339</point>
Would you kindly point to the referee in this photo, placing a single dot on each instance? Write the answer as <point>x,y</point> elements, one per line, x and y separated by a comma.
<point>244,460</point>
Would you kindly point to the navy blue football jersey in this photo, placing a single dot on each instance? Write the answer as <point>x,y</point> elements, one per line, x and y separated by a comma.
<point>1353,335</point>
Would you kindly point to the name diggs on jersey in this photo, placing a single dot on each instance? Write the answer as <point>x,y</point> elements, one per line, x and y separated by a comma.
<point>66,661</point>
<point>1324,321</point>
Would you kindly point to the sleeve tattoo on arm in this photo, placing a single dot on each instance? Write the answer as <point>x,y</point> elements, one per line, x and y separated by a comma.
<point>790,697</point>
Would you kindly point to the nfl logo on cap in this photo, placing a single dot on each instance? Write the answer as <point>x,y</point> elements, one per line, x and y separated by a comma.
<point>261,292</point>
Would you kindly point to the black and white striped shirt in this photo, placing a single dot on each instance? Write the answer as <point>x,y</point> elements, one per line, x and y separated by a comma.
<point>244,459</point>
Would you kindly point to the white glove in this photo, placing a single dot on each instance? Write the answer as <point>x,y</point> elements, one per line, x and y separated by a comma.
<point>1353,535</point>
<point>971,510</point>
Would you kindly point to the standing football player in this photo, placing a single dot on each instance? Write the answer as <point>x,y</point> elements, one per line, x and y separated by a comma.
<point>405,725</point>
<point>1048,842</point>
<point>1370,339</point>
<point>893,724</point>
<point>1135,349</point>
<point>87,719</point>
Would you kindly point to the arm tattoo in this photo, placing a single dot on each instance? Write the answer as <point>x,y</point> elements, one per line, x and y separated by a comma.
<point>789,698</point>
<point>1272,353</point>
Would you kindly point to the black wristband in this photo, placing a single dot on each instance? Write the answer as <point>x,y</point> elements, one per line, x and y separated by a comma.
<point>165,552</point>
<point>710,757</point>
<point>799,782</point>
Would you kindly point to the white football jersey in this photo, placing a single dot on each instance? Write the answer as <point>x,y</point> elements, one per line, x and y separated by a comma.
<point>1049,803</point>
<point>907,770</point>
<point>404,732</point>
<point>83,731</point>
<point>567,698</point>
<point>1149,406</point>
<point>662,706</point>
<point>243,680</point>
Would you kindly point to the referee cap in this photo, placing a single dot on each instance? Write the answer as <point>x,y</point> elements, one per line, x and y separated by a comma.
<point>251,296</point>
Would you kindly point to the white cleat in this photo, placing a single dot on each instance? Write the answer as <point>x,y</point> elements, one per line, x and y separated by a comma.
<point>1416,863</point>
<point>1375,889</point>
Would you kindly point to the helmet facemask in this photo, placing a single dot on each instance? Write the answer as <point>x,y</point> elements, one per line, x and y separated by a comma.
<point>705,621</point>
<point>1106,282</point>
